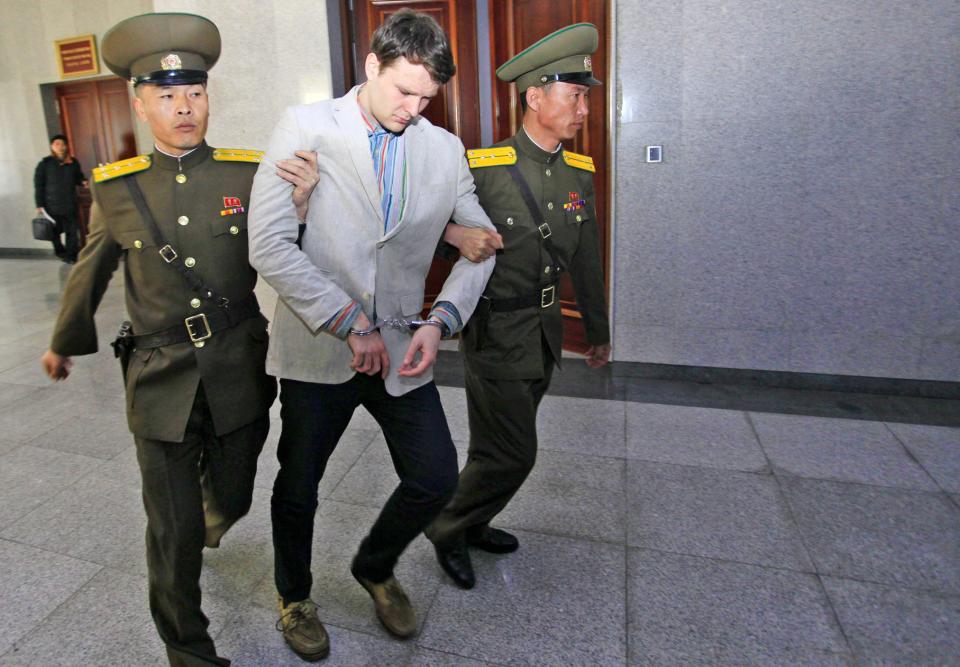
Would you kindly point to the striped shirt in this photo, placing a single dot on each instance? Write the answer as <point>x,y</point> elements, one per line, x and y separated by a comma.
<point>390,167</point>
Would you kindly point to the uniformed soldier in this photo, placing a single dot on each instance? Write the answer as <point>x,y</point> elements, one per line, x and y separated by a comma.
<point>197,393</point>
<point>541,199</point>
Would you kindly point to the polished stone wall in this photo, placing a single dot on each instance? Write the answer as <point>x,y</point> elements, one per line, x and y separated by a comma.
<point>805,216</point>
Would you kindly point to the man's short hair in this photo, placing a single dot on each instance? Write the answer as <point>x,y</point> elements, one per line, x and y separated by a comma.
<point>418,38</point>
<point>59,136</point>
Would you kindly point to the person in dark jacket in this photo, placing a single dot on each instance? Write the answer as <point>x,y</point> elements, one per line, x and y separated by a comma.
<point>55,184</point>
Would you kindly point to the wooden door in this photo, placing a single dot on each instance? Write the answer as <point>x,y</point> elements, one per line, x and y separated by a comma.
<point>96,117</point>
<point>515,25</point>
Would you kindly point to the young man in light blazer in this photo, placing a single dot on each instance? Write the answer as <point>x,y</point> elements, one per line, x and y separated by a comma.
<point>346,330</point>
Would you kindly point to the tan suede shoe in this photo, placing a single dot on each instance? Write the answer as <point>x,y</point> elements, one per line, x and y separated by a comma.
<point>392,605</point>
<point>303,631</point>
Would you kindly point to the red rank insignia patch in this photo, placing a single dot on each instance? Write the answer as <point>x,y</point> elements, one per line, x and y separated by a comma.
<point>232,206</point>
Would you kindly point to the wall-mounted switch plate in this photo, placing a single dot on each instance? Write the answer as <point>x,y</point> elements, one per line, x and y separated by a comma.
<point>654,153</point>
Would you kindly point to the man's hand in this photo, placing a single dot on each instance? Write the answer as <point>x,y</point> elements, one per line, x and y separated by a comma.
<point>426,341</point>
<point>39,211</point>
<point>369,353</point>
<point>55,366</point>
<point>304,174</point>
<point>474,243</point>
<point>598,355</point>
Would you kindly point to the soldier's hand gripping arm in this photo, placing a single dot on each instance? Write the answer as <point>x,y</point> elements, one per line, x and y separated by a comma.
<point>474,243</point>
<point>302,171</point>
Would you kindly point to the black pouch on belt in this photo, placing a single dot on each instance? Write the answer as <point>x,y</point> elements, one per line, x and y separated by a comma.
<point>123,346</point>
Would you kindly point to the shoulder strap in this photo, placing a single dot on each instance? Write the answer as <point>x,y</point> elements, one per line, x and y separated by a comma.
<point>537,214</point>
<point>167,253</point>
<point>491,157</point>
<point>578,161</point>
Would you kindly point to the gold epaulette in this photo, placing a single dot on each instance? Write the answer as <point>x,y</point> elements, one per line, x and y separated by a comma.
<point>236,155</point>
<point>121,168</point>
<point>491,157</point>
<point>578,161</point>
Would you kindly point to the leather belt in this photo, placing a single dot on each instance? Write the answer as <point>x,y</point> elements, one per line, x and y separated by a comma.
<point>201,326</point>
<point>543,298</point>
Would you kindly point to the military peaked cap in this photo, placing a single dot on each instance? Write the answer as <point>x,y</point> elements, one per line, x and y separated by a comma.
<point>563,55</point>
<point>165,49</point>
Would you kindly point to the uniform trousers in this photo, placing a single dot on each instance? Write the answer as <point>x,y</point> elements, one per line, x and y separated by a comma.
<point>502,415</point>
<point>205,475</point>
<point>314,417</point>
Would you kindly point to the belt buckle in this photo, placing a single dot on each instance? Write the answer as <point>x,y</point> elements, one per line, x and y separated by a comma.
<point>168,253</point>
<point>192,323</point>
<point>545,293</point>
<point>544,234</point>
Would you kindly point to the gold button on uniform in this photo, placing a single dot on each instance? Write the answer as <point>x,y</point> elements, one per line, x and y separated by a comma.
<point>200,343</point>
<point>549,205</point>
<point>579,218</point>
<point>234,230</point>
<point>509,222</point>
<point>138,244</point>
<point>181,178</point>
<point>547,270</point>
<point>183,220</point>
<point>190,261</point>
<point>195,303</point>
<point>547,172</point>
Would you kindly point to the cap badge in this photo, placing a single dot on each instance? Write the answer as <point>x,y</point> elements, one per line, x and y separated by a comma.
<point>171,61</point>
<point>587,63</point>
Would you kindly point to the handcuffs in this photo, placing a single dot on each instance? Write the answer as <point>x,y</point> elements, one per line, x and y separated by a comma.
<point>399,324</point>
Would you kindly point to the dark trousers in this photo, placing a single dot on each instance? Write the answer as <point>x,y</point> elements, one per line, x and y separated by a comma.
<point>180,479</point>
<point>66,223</point>
<point>314,417</point>
<point>503,449</point>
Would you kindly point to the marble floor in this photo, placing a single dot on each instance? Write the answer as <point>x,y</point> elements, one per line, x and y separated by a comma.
<point>666,523</point>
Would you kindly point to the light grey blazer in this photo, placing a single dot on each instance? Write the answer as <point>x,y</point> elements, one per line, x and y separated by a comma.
<point>345,253</point>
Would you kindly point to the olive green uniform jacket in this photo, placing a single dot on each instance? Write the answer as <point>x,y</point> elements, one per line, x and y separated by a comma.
<point>186,197</point>
<point>511,346</point>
